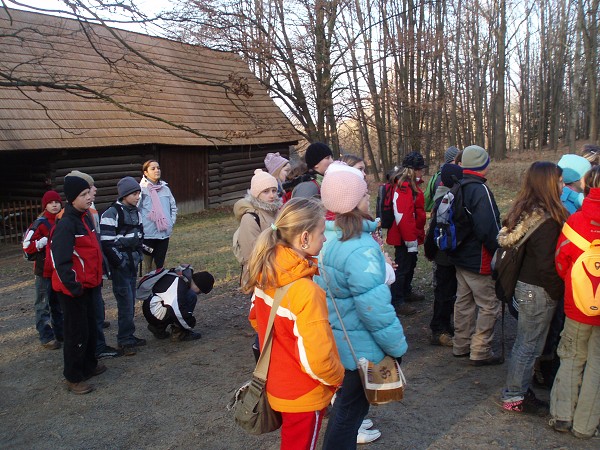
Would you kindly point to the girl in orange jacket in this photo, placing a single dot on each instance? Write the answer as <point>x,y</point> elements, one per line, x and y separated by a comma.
<point>305,369</point>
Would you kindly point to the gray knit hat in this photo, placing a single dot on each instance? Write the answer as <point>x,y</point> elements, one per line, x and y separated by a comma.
<point>126,186</point>
<point>450,155</point>
<point>475,158</point>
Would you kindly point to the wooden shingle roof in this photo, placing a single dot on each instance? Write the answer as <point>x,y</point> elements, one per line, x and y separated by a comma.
<point>211,92</point>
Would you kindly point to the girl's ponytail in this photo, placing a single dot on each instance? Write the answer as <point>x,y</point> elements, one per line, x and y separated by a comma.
<point>297,215</point>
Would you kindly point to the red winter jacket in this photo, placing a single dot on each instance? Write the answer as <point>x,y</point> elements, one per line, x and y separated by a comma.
<point>567,252</point>
<point>76,253</point>
<point>42,266</point>
<point>409,216</point>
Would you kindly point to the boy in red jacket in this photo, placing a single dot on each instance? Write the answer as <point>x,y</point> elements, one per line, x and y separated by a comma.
<point>48,315</point>
<point>77,260</point>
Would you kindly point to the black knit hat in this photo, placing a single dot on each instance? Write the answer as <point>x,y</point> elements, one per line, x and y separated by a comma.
<point>204,281</point>
<point>414,160</point>
<point>451,173</point>
<point>73,187</point>
<point>315,153</point>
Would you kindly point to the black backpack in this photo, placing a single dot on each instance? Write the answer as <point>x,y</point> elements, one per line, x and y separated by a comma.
<point>385,207</point>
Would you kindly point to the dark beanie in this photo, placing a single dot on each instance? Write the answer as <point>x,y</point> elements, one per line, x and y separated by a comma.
<point>450,173</point>
<point>126,186</point>
<point>204,281</point>
<point>73,187</point>
<point>315,153</point>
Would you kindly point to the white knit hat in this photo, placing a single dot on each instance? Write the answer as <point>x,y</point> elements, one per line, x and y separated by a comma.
<point>261,181</point>
<point>343,188</point>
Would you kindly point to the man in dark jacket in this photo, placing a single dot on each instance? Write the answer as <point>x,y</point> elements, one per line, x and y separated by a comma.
<point>476,308</point>
<point>77,260</point>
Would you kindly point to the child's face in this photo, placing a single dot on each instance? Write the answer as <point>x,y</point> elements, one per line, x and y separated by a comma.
<point>363,205</point>
<point>269,195</point>
<point>83,201</point>
<point>131,199</point>
<point>93,190</point>
<point>153,172</point>
<point>313,241</point>
<point>54,207</point>
<point>284,172</point>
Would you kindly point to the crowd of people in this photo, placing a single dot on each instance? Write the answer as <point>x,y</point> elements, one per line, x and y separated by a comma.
<point>308,224</point>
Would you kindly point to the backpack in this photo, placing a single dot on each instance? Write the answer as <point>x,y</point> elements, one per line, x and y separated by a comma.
<point>235,246</point>
<point>585,273</point>
<point>453,220</point>
<point>29,233</point>
<point>384,205</point>
<point>506,267</point>
<point>146,284</point>
<point>430,191</point>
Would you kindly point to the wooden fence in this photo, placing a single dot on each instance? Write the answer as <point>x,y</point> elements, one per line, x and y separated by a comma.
<point>15,217</point>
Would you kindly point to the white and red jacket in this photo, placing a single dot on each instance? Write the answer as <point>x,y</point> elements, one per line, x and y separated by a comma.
<point>409,216</point>
<point>76,253</point>
<point>35,244</point>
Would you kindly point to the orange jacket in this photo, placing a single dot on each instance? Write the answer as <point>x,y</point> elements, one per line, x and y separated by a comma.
<point>305,368</point>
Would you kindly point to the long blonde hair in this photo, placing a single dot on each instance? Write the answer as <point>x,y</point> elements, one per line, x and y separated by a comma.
<point>297,216</point>
<point>406,174</point>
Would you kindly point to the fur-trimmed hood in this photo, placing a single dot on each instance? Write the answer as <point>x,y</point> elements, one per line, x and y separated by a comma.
<point>251,204</point>
<point>508,238</point>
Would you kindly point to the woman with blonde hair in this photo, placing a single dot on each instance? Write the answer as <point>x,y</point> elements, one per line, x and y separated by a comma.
<point>539,288</point>
<point>305,368</point>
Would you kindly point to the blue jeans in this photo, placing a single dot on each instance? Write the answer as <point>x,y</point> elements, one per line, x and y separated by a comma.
<point>348,412</point>
<point>99,312</point>
<point>536,310</point>
<point>123,281</point>
<point>48,313</point>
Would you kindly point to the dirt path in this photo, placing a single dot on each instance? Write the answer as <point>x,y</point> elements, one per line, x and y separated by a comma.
<point>174,395</point>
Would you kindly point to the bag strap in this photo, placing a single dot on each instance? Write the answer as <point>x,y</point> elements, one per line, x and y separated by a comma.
<point>262,365</point>
<point>573,236</point>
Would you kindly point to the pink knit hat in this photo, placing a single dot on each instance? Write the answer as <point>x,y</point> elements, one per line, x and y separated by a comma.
<point>274,161</point>
<point>343,188</point>
<point>261,181</point>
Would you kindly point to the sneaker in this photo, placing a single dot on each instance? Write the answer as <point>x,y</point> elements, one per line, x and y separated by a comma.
<point>138,342</point>
<point>444,339</point>
<point>405,310</point>
<point>491,361</point>
<point>158,332</point>
<point>367,436</point>
<point>412,297</point>
<point>51,345</point>
<point>529,405</point>
<point>79,388</point>
<point>100,368</point>
<point>366,424</point>
<point>109,352</point>
<point>190,335</point>
<point>128,349</point>
<point>562,426</point>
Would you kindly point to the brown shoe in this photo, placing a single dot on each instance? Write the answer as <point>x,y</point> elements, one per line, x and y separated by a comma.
<point>128,349</point>
<point>52,345</point>
<point>491,361</point>
<point>79,388</point>
<point>100,368</point>
<point>405,310</point>
<point>443,339</point>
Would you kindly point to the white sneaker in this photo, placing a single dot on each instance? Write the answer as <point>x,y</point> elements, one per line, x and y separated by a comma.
<point>366,424</point>
<point>367,436</point>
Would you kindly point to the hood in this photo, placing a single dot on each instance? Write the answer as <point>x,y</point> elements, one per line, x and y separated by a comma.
<point>291,266</point>
<point>251,204</point>
<point>508,238</point>
<point>591,205</point>
<point>440,192</point>
<point>144,182</point>
<point>369,226</point>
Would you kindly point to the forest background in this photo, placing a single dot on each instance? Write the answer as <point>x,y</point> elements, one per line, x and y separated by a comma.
<point>380,78</point>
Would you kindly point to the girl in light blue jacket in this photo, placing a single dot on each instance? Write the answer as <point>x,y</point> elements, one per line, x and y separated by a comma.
<point>159,212</point>
<point>352,270</point>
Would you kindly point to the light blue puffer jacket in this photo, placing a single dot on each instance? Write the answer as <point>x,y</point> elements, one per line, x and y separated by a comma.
<point>145,206</point>
<point>354,272</point>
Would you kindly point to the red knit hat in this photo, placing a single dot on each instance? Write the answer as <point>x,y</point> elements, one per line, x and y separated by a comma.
<point>343,188</point>
<point>50,196</point>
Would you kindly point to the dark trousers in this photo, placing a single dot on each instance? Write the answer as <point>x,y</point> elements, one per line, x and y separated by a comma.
<point>348,412</point>
<point>159,252</point>
<point>100,316</point>
<point>79,348</point>
<point>444,296</point>
<point>407,262</point>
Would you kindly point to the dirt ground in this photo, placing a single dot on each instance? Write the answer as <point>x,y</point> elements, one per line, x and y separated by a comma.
<point>173,395</point>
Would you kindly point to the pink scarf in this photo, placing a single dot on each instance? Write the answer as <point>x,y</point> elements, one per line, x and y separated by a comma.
<point>156,214</point>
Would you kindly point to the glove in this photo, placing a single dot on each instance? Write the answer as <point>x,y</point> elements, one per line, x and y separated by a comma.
<point>41,243</point>
<point>412,246</point>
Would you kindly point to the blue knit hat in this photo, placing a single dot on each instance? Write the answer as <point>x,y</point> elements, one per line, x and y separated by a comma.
<point>574,167</point>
